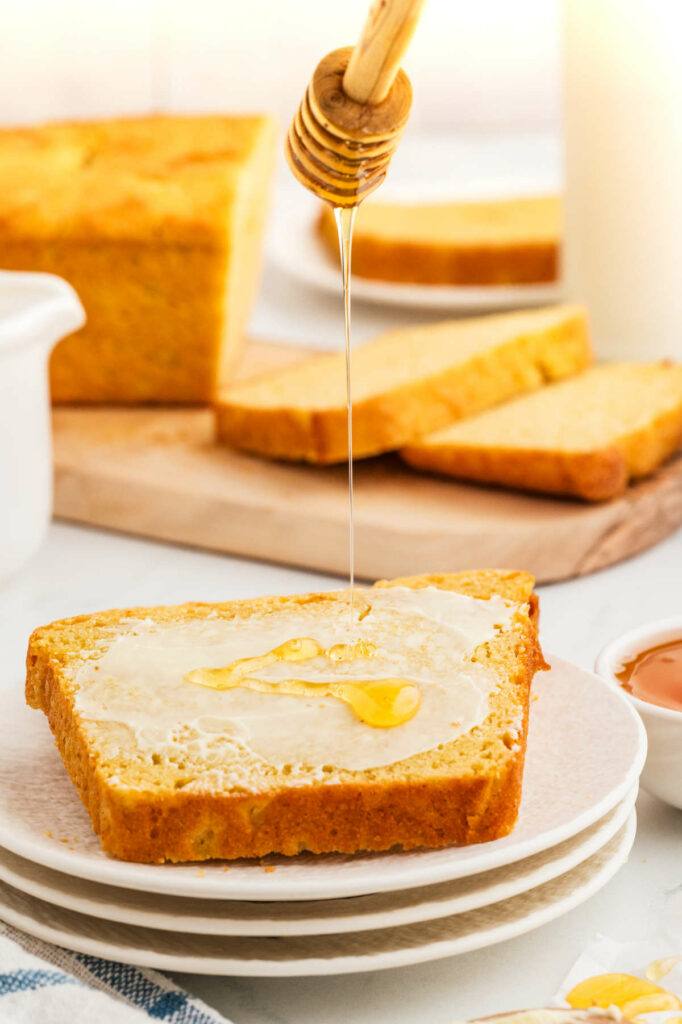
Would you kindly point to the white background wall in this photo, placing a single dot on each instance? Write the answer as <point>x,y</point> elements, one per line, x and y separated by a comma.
<point>475,64</point>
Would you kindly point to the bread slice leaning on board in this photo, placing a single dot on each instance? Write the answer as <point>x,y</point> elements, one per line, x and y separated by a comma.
<point>499,242</point>
<point>176,802</point>
<point>586,437</point>
<point>406,383</point>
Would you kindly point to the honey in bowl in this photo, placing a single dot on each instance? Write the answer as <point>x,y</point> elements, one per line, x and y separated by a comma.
<point>655,675</point>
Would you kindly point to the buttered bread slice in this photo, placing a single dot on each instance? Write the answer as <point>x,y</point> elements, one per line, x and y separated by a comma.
<point>406,383</point>
<point>587,437</point>
<point>267,725</point>
<point>499,242</point>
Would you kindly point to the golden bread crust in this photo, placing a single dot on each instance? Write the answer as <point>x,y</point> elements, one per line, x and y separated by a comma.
<point>592,476</point>
<point>419,802</point>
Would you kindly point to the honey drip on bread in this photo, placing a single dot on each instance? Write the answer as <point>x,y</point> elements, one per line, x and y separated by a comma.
<point>339,145</point>
<point>382,703</point>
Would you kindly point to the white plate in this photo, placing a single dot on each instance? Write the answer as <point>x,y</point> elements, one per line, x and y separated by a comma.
<point>295,247</point>
<point>319,954</point>
<point>316,917</point>
<point>42,819</point>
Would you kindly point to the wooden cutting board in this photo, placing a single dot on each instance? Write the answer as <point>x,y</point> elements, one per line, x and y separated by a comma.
<point>157,472</point>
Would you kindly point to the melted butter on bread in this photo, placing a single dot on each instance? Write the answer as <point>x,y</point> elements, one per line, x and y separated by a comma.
<point>425,637</point>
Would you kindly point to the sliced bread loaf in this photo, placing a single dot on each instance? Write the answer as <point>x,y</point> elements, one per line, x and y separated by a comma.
<point>508,241</point>
<point>171,770</point>
<point>587,436</point>
<point>157,223</point>
<point>406,383</point>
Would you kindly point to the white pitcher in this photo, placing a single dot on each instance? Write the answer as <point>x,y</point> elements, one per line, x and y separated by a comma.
<point>36,310</point>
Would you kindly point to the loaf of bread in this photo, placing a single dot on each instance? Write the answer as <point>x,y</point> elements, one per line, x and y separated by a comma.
<point>504,242</point>
<point>406,383</point>
<point>171,770</point>
<point>587,437</point>
<point>157,224</point>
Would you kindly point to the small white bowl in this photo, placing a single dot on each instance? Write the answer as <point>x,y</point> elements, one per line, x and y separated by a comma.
<point>662,774</point>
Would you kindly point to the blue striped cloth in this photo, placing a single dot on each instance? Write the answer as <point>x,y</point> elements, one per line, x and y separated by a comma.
<point>51,985</point>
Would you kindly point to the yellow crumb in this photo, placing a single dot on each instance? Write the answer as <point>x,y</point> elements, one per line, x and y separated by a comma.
<point>48,834</point>
<point>658,969</point>
<point>200,874</point>
<point>226,869</point>
<point>269,868</point>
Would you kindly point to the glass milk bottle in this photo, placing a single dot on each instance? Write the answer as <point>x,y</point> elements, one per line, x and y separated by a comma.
<point>623,144</point>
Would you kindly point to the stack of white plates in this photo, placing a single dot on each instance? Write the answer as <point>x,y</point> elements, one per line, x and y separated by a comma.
<point>328,914</point>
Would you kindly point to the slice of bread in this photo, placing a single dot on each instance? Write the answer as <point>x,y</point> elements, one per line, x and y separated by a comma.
<point>587,437</point>
<point>188,798</point>
<point>508,241</point>
<point>406,383</point>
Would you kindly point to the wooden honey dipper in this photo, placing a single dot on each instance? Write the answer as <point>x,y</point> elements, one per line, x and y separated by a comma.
<point>355,109</point>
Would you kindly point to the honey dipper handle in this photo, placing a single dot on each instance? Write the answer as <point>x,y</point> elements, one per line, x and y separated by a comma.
<point>376,57</point>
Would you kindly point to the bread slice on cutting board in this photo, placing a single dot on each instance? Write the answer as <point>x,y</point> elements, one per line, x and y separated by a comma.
<point>586,437</point>
<point>406,383</point>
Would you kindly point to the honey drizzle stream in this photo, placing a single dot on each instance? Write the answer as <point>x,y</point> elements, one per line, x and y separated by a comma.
<point>345,218</point>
